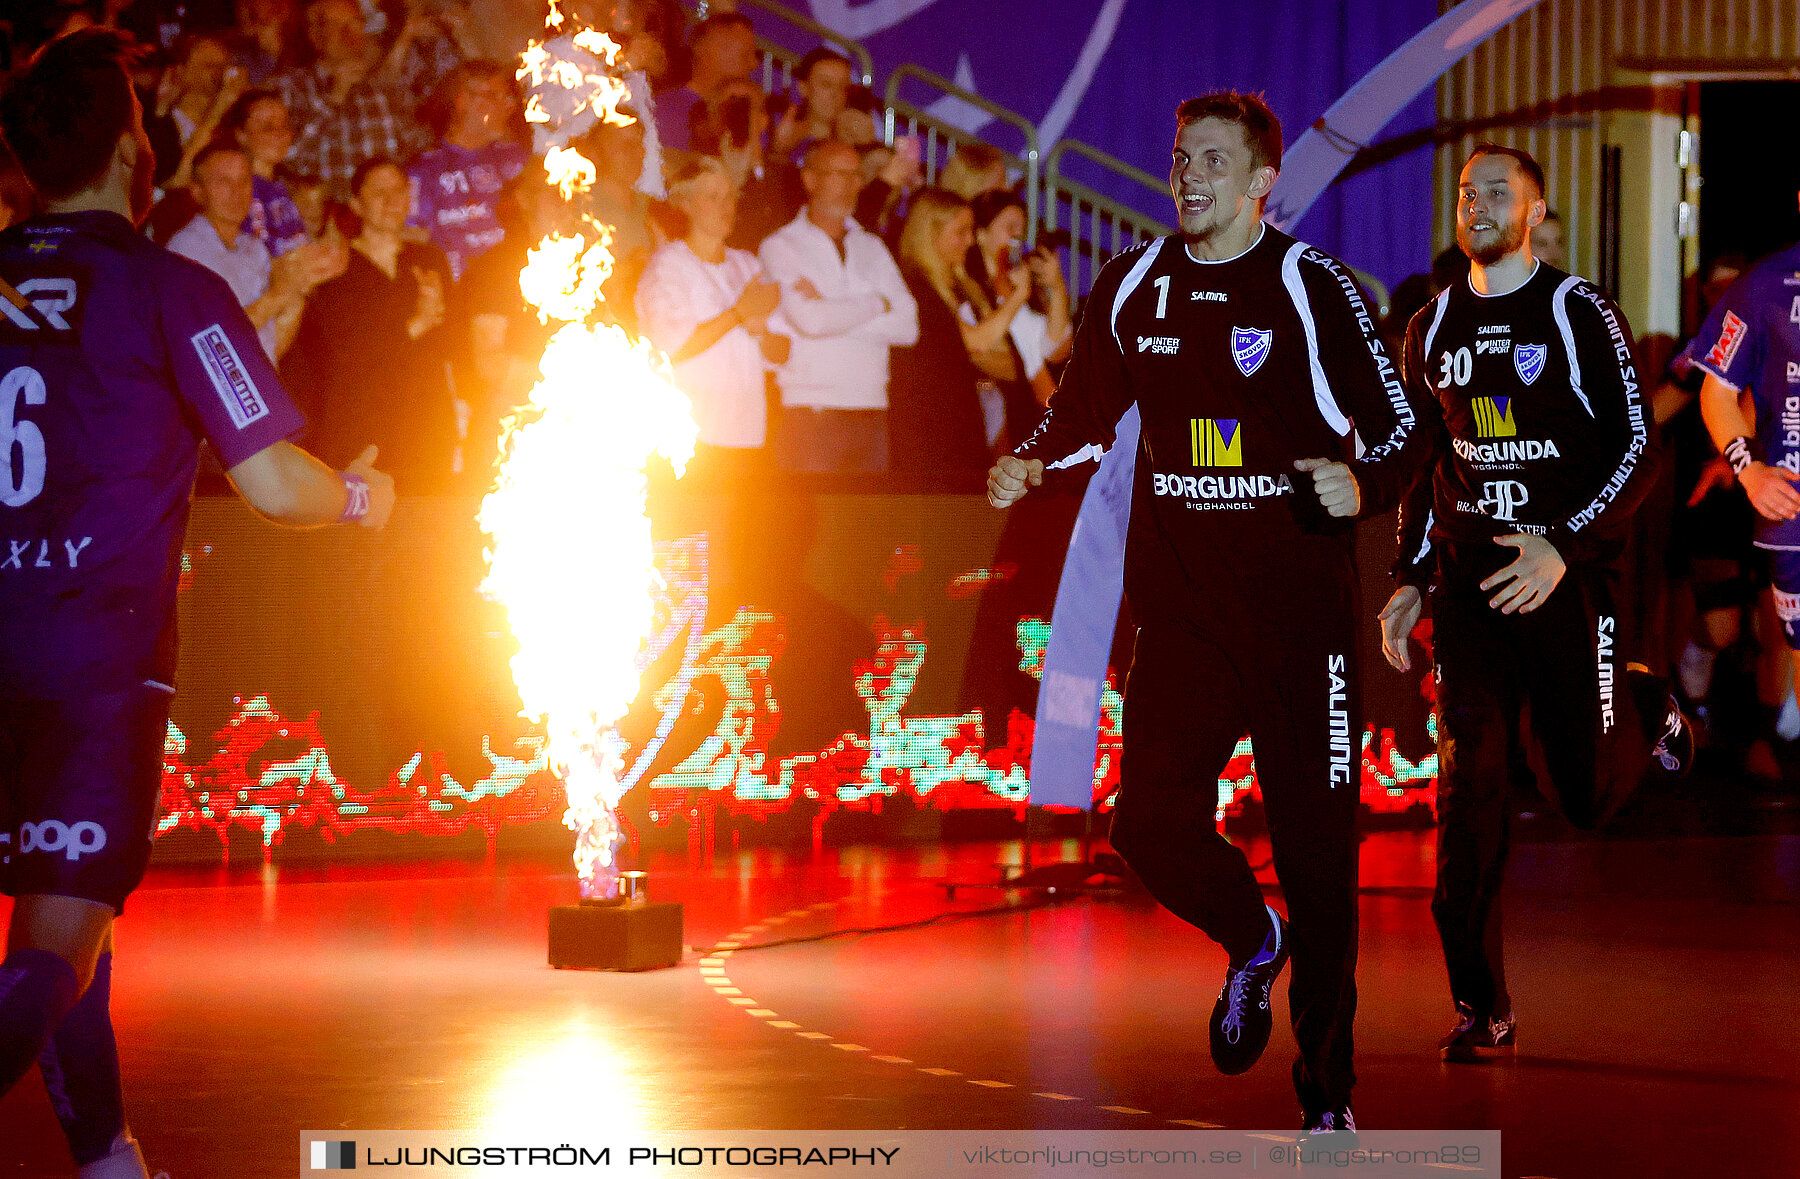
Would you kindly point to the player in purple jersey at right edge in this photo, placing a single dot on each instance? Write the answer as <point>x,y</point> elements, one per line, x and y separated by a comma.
<point>116,359</point>
<point>1751,344</point>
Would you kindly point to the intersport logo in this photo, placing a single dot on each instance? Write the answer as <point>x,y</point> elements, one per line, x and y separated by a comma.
<point>1159,345</point>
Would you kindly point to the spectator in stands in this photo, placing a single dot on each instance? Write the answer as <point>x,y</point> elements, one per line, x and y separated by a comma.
<point>17,201</point>
<point>617,153</point>
<point>935,411</point>
<point>258,123</point>
<point>769,190</point>
<point>273,295</point>
<point>856,123</point>
<point>310,198</point>
<point>268,37</point>
<point>436,37</point>
<point>1547,241</point>
<point>823,79</point>
<point>972,169</point>
<point>162,23</point>
<point>715,313</point>
<point>1041,332</point>
<point>1450,267</point>
<point>847,303</point>
<point>385,314</point>
<point>505,338</point>
<point>642,27</point>
<point>893,175</point>
<point>345,117</point>
<point>196,92</point>
<point>455,185</point>
<point>724,49</point>
<point>571,114</point>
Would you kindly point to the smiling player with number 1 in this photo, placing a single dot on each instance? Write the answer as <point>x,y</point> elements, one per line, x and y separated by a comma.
<point>1254,364</point>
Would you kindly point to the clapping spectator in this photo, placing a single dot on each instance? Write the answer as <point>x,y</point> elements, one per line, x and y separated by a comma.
<point>344,116</point>
<point>258,123</point>
<point>370,363</point>
<point>272,293</point>
<point>847,303</point>
<point>715,313</point>
<point>456,185</point>
<point>936,413</point>
<point>724,49</point>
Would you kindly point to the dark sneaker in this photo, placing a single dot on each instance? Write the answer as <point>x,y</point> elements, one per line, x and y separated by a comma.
<point>1331,1129</point>
<point>1675,748</point>
<point>1241,1019</point>
<point>1474,1038</point>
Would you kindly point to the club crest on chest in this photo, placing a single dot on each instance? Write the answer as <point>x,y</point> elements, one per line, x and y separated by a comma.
<point>1528,361</point>
<point>1249,348</point>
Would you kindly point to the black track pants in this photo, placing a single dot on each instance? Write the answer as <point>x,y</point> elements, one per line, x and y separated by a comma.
<point>1294,688</point>
<point>1564,659</point>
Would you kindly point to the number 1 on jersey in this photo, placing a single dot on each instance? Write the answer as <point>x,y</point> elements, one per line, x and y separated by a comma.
<point>1162,295</point>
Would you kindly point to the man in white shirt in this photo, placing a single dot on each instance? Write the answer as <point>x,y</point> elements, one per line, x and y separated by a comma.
<point>847,304</point>
<point>273,294</point>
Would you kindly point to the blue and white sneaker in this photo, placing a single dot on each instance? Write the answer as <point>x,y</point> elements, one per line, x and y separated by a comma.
<point>1241,1020</point>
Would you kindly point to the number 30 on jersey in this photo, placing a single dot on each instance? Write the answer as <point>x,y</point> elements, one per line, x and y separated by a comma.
<point>1455,368</point>
<point>21,443</point>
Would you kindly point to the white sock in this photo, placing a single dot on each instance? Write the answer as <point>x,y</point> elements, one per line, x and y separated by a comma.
<point>1696,668</point>
<point>1787,721</point>
<point>125,1162</point>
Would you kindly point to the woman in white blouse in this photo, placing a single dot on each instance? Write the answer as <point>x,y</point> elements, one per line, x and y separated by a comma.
<point>716,314</point>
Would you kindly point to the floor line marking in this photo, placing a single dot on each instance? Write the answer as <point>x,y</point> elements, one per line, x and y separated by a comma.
<point>713,972</point>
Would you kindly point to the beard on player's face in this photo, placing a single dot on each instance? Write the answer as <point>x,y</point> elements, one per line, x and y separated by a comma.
<point>1486,246</point>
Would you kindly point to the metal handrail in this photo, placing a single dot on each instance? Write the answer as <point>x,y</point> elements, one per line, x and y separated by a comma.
<point>1029,162</point>
<point>1125,221</point>
<point>852,49</point>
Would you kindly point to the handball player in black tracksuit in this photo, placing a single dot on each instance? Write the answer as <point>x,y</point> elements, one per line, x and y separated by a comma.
<point>1540,446</point>
<point>1255,366</point>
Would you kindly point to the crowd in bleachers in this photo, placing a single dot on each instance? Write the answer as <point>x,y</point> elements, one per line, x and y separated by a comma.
<point>365,181</point>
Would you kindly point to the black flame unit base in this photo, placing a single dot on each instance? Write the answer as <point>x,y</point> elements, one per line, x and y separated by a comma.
<point>640,936</point>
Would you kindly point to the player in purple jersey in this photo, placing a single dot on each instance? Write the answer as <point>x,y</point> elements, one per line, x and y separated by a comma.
<point>456,185</point>
<point>116,359</point>
<point>1751,345</point>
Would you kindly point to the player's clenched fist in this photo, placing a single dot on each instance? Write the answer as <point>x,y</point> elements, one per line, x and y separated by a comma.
<point>1011,477</point>
<point>1335,486</point>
